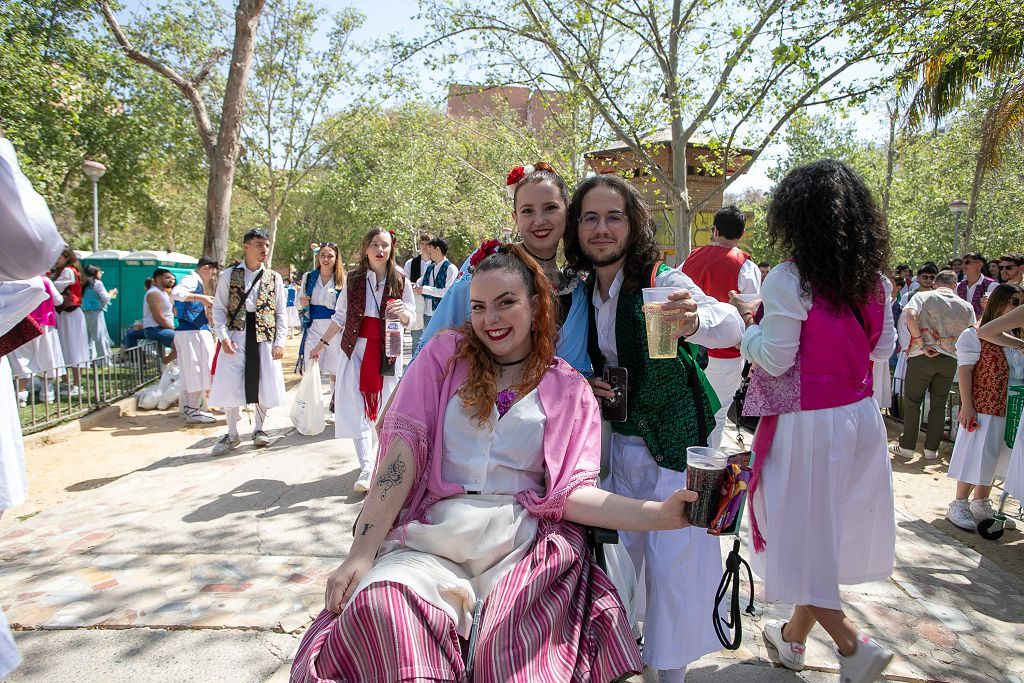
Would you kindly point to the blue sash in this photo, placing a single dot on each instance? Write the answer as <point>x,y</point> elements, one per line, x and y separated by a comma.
<point>440,279</point>
<point>316,312</point>
<point>191,315</point>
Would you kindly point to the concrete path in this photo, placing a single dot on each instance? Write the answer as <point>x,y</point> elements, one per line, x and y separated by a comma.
<point>209,569</point>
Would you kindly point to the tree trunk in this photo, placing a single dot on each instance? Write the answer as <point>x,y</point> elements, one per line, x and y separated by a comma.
<point>890,157</point>
<point>224,156</point>
<point>681,213</point>
<point>683,219</point>
<point>272,218</point>
<point>972,208</point>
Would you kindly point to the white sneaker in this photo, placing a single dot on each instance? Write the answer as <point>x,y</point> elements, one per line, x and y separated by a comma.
<point>959,513</point>
<point>790,654</point>
<point>983,509</point>
<point>899,450</point>
<point>198,417</point>
<point>260,438</point>
<point>866,664</point>
<point>226,443</point>
<point>362,484</point>
<point>930,455</point>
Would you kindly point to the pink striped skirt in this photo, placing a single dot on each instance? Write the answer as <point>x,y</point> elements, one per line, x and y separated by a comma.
<point>554,617</point>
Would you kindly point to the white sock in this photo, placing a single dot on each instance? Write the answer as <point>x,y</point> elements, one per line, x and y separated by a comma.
<point>232,417</point>
<point>364,451</point>
<point>191,402</point>
<point>258,416</point>
<point>672,675</point>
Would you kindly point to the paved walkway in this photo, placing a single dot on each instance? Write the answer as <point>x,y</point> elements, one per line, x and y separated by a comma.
<point>208,569</point>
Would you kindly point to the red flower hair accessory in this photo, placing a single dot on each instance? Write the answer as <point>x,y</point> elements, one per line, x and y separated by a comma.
<point>486,249</point>
<point>515,175</point>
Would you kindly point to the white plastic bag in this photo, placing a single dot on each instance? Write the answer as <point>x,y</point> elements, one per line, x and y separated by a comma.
<point>308,408</point>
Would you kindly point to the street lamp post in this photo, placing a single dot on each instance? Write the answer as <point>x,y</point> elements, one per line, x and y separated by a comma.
<point>957,206</point>
<point>95,171</point>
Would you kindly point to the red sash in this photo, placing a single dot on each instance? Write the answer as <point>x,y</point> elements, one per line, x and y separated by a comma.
<point>371,382</point>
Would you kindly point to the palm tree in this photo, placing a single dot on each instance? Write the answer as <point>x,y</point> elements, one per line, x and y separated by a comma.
<point>988,63</point>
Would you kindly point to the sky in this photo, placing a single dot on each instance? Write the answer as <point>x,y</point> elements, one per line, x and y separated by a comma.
<point>386,17</point>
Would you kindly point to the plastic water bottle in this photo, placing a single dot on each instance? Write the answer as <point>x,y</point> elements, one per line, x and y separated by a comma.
<point>392,335</point>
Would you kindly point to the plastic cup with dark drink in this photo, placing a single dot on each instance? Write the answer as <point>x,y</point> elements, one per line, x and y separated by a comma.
<point>705,474</point>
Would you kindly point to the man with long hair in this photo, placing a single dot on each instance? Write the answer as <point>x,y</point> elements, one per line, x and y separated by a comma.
<point>193,341</point>
<point>670,406</point>
<point>250,322</point>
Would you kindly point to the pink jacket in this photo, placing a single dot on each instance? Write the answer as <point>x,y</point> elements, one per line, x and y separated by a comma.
<point>46,312</point>
<point>572,431</point>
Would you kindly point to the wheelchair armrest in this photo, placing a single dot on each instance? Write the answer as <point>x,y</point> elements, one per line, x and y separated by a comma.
<point>599,536</point>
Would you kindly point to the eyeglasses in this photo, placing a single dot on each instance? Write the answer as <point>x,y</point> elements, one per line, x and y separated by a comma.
<point>614,221</point>
<point>1009,267</point>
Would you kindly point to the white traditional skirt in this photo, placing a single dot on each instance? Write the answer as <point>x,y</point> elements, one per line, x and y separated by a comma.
<point>195,355</point>
<point>292,315</point>
<point>329,357</point>
<point>42,354</point>
<point>469,544</point>
<point>96,330</point>
<point>1014,483</point>
<point>13,485</point>
<point>228,387</point>
<point>825,505</point>
<point>74,340</point>
<point>350,421</point>
<point>982,455</point>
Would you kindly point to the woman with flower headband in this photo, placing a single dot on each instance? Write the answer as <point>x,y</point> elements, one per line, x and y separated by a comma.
<point>539,198</point>
<point>319,292</point>
<point>489,459</point>
<point>365,376</point>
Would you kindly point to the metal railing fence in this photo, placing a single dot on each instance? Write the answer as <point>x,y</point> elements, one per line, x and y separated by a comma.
<point>46,399</point>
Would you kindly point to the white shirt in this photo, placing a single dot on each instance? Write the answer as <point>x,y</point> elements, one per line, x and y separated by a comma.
<point>186,286</point>
<point>27,231</point>
<point>915,305</point>
<point>323,295</point>
<point>970,289</point>
<point>720,324</point>
<point>452,274</point>
<point>968,352</point>
<point>166,308</point>
<point>504,456</point>
<point>66,278</point>
<point>220,303</point>
<point>774,343</point>
<point>374,291</point>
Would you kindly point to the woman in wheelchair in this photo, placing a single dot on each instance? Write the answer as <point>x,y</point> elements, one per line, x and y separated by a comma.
<point>488,461</point>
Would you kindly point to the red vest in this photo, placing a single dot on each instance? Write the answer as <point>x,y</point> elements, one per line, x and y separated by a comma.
<point>716,271</point>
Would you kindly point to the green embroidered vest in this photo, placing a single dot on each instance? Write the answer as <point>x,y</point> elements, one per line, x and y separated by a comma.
<point>670,402</point>
<point>266,311</point>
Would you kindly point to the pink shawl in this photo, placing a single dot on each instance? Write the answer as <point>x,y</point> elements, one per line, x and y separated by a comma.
<point>572,431</point>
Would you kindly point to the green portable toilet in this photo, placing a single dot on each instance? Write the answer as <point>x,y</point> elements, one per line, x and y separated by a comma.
<point>109,261</point>
<point>135,268</point>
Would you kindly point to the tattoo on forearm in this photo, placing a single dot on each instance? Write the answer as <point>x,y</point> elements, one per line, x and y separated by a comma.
<point>366,528</point>
<point>391,478</point>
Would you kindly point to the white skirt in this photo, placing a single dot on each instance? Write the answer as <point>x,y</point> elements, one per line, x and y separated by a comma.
<point>195,355</point>
<point>469,545</point>
<point>329,358</point>
<point>74,340</point>
<point>682,567</point>
<point>825,505</point>
<point>292,315</point>
<point>980,456</point>
<point>350,421</point>
<point>1014,483</point>
<point>99,338</point>
<point>42,354</point>
<point>13,485</point>
<point>228,387</point>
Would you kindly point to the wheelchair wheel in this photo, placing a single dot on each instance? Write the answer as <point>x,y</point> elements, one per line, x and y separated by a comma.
<point>990,529</point>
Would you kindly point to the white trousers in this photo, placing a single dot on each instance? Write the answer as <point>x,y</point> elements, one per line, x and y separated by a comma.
<point>681,568</point>
<point>725,375</point>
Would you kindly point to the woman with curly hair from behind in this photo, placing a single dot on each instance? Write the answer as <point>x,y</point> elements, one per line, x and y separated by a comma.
<point>822,512</point>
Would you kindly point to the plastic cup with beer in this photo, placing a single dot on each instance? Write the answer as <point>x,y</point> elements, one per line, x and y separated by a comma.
<point>660,343</point>
<point>705,474</point>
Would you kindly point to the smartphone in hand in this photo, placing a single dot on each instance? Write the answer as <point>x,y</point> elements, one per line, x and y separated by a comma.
<point>614,409</point>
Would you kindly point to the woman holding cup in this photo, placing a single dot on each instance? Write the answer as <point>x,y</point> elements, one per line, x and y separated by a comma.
<point>822,503</point>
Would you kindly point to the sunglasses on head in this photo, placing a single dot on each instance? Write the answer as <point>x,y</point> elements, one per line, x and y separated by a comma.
<point>332,245</point>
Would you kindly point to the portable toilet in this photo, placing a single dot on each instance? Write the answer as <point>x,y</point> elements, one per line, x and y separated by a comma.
<point>109,261</point>
<point>135,268</point>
